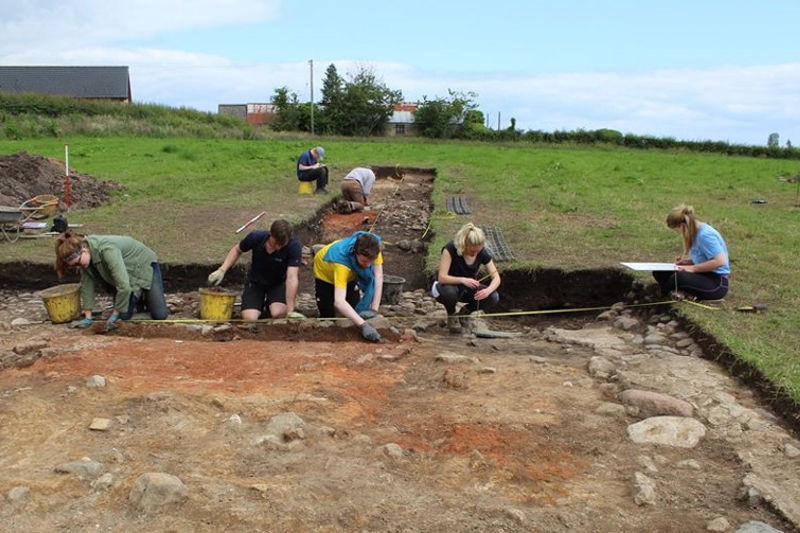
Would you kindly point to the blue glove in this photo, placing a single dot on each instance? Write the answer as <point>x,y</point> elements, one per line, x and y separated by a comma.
<point>85,323</point>
<point>369,313</point>
<point>369,333</point>
<point>112,323</point>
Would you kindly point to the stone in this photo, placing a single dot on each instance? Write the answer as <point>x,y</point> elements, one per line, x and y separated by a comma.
<point>18,494</point>
<point>673,431</point>
<point>516,515</point>
<point>85,468</point>
<point>626,323</point>
<point>20,322</point>
<point>100,424</point>
<point>609,314</point>
<point>451,358</point>
<point>104,482</point>
<point>688,464</point>
<point>791,451</point>
<point>284,424</point>
<point>719,524</point>
<point>777,493</point>
<point>487,370</point>
<point>655,338</point>
<point>647,404</point>
<point>645,489</point>
<point>754,526</point>
<point>600,367</point>
<point>611,409</point>
<point>685,343</point>
<point>96,381</point>
<point>393,450</point>
<point>154,490</point>
<point>29,347</point>
<point>647,463</point>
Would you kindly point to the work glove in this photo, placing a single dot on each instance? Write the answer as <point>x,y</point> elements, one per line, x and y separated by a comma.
<point>84,323</point>
<point>367,314</point>
<point>215,278</point>
<point>294,315</point>
<point>370,333</point>
<point>112,323</point>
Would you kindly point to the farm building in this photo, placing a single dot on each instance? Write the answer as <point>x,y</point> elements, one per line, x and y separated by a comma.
<point>255,114</point>
<point>100,83</point>
<point>402,120</point>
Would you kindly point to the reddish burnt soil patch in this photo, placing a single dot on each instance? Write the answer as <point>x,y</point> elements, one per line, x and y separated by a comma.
<point>23,176</point>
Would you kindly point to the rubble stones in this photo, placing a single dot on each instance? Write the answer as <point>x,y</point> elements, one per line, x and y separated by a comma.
<point>647,404</point>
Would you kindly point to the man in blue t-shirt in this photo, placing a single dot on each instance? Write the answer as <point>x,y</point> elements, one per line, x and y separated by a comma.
<point>272,280</point>
<point>309,168</point>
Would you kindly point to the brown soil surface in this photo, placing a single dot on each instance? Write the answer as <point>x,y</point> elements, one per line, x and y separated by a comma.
<point>23,176</point>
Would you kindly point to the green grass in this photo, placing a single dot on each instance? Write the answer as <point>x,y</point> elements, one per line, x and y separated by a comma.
<point>569,207</point>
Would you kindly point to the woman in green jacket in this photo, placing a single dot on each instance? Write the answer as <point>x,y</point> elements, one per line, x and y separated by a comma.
<point>122,264</point>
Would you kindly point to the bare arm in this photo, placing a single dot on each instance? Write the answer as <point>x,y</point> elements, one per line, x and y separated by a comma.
<point>341,305</point>
<point>713,263</point>
<point>291,288</point>
<point>376,299</point>
<point>231,258</point>
<point>493,285</point>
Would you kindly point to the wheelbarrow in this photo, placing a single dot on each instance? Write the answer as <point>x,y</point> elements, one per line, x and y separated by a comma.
<point>13,220</point>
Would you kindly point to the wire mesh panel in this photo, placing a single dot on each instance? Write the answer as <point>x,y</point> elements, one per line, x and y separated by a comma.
<point>496,244</point>
<point>458,205</point>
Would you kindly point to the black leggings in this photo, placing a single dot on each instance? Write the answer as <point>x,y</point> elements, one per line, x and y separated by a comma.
<point>324,293</point>
<point>319,174</point>
<point>703,285</point>
<point>450,295</point>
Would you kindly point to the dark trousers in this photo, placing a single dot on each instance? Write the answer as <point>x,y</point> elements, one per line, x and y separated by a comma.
<point>450,295</point>
<point>152,298</point>
<point>324,293</point>
<point>319,174</point>
<point>703,285</point>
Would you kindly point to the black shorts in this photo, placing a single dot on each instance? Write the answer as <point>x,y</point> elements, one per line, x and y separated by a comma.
<point>257,296</point>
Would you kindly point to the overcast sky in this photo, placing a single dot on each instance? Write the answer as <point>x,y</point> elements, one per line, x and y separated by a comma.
<point>701,69</point>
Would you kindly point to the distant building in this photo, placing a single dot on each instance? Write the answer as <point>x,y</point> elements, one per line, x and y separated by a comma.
<point>256,114</point>
<point>97,83</point>
<point>402,120</point>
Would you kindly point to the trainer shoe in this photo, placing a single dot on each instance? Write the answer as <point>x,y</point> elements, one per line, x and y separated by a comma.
<point>321,190</point>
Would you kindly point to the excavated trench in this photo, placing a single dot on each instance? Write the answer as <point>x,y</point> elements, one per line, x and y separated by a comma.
<point>402,208</point>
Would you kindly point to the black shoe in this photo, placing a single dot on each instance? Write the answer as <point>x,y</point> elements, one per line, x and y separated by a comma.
<point>321,190</point>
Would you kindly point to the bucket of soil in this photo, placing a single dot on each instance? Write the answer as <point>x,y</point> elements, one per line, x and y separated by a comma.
<point>62,302</point>
<point>216,304</point>
<point>392,289</point>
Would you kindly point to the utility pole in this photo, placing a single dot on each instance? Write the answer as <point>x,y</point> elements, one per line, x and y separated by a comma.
<point>498,121</point>
<point>311,64</point>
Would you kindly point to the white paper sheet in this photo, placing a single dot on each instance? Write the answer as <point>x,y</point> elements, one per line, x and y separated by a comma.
<point>650,266</point>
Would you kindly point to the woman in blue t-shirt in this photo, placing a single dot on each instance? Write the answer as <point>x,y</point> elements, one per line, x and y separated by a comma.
<point>458,276</point>
<point>702,270</point>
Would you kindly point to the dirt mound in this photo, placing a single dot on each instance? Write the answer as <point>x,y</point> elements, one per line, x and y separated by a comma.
<point>23,176</point>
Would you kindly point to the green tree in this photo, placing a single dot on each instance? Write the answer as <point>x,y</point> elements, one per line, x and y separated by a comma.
<point>366,105</point>
<point>332,96</point>
<point>444,117</point>
<point>774,140</point>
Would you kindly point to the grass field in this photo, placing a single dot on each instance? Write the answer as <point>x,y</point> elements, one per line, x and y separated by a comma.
<point>568,207</point>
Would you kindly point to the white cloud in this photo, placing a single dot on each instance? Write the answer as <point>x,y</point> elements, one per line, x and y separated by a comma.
<point>48,26</point>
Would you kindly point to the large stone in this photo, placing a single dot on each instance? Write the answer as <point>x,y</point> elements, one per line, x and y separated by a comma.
<point>648,403</point>
<point>85,468</point>
<point>18,494</point>
<point>286,426</point>
<point>96,381</point>
<point>626,323</point>
<point>34,346</point>
<point>453,358</point>
<point>600,367</point>
<point>756,527</point>
<point>645,489</point>
<point>673,431</point>
<point>779,494</point>
<point>155,490</point>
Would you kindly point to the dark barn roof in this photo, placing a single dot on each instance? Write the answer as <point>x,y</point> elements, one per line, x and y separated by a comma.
<point>78,82</point>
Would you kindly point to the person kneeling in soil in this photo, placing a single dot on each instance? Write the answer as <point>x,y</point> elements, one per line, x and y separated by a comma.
<point>341,266</point>
<point>272,280</point>
<point>309,168</point>
<point>123,264</point>
<point>355,187</point>
<point>457,280</point>
<point>702,270</point>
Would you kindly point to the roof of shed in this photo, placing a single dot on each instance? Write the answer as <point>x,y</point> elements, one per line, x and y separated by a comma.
<point>79,82</point>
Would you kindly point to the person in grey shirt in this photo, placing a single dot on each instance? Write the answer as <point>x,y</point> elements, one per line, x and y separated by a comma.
<point>355,188</point>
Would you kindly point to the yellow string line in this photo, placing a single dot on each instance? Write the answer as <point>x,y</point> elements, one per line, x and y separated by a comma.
<point>510,313</point>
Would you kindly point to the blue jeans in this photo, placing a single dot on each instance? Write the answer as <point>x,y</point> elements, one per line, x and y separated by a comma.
<point>154,300</point>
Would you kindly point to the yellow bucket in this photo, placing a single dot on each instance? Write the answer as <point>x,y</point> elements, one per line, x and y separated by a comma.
<point>62,302</point>
<point>47,204</point>
<point>306,187</point>
<point>216,304</point>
